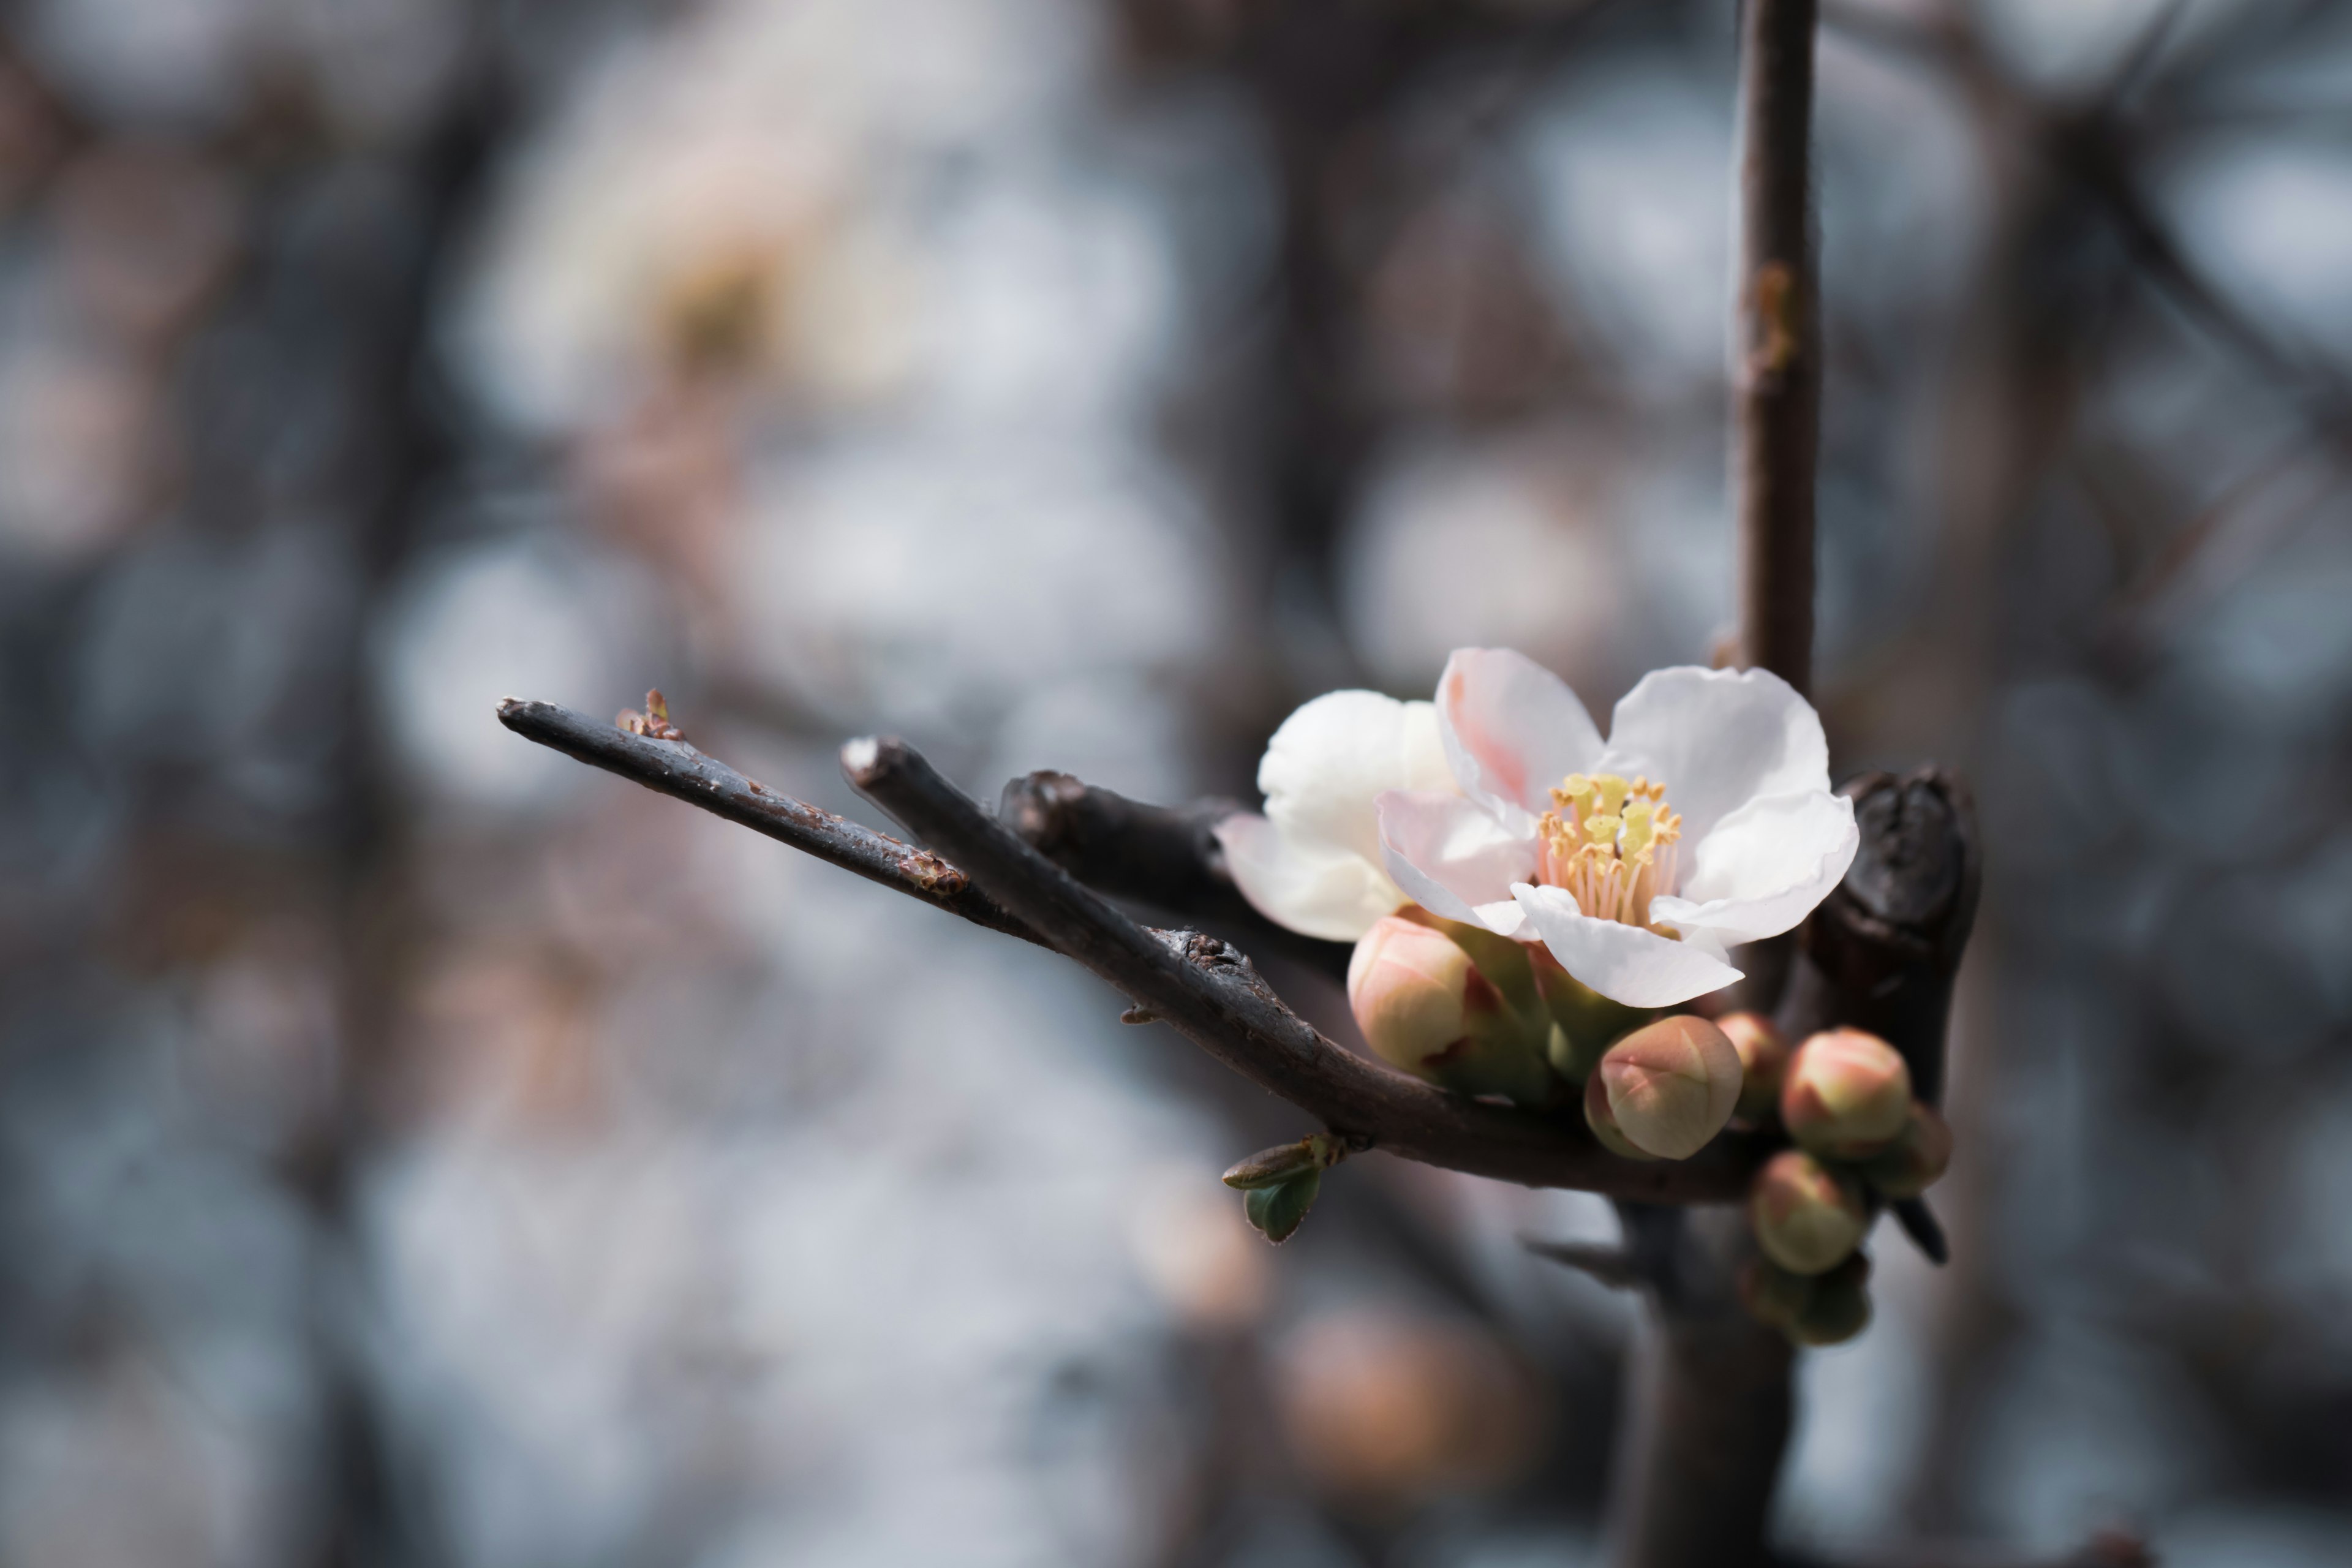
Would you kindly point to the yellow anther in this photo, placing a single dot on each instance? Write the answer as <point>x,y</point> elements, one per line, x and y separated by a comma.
<point>1613,791</point>
<point>1573,791</point>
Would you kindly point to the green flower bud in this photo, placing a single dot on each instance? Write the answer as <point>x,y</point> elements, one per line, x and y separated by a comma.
<point>1838,1308</point>
<point>1915,1161</point>
<point>1807,1218</point>
<point>1847,1094</point>
<point>1668,1087</point>
<point>1763,1063</point>
<point>1772,1295</point>
<point>1453,1004</point>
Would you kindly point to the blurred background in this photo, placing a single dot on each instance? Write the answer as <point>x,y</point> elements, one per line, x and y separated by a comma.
<point>416,1149</point>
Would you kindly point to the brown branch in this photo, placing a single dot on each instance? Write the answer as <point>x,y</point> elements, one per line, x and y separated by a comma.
<point>1167,856</point>
<point>1202,987</point>
<point>676,769</point>
<point>1776,371</point>
<point>1210,994</point>
<point>1710,1418</point>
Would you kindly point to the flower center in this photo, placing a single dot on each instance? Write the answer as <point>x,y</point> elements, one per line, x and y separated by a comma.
<point>1612,845</point>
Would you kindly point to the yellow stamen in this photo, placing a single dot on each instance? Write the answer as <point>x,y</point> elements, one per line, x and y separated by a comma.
<point>1610,844</point>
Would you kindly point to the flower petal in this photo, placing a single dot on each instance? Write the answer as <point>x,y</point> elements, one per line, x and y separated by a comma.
<point>1451,856</point>
<point>1718,739</point>
<point>1313,888</point>
<point>1512,729</point>
<point>1764,867</point>
<point>1624,964</point>
<point>1330,759</point>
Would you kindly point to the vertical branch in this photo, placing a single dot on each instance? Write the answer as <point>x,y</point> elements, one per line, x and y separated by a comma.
<point>1776,355</point>
<point>1709,1418</point>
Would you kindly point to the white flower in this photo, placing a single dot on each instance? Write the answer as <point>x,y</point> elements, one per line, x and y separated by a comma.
<point>1705,820</point>
<point>1313,862</point>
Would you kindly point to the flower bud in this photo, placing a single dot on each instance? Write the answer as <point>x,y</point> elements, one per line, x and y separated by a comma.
<point>1847,1094</point>
<point>1772,1295</point>
<point>1668,1088</point>
<point>1598,1116</point>
<point>1915,1161</point>
<point>1807,1218</point>
<point>1837,1308</point>
<point>1425,1006</point>
<point>1763,1063</point>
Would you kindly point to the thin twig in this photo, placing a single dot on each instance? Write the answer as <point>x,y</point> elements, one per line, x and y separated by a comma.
<point>1612,1266</point>
<point>676,769</point>
<point>1776,369</point>
<point>1164,855</point>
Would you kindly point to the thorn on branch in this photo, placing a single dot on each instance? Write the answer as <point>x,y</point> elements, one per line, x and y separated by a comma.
<point>1919,1223</point>
<point>1612,1266</point>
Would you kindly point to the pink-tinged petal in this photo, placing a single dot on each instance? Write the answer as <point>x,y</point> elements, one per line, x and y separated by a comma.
<point>1718,739</point>
<point>1624,964</point>
<point>1312,889</point>
<point>1512,729</point>
<point>1764,867</point>
<point>1449,854</point>
<point>1329,760</point>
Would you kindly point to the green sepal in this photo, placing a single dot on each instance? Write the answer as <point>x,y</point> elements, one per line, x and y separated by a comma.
<point>1278,1209</point>
<point>1586,1023</point>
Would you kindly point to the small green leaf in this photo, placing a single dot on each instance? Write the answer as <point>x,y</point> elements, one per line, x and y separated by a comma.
<point>1278,1209</point>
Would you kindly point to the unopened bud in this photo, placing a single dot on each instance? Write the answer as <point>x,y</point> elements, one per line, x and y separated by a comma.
<point>1763,1063</point>
<point>1411,990</point>
<point>1772,1295</point>
<point>1807,1218</point>
<point>1424,1004</point>
<point>1838,1307</point>
<point>1916,1160</point>
<point>1847,1094</point>
<point>1668,1088</point>
<point>1270,1167</point>
<point>1598,1116</point>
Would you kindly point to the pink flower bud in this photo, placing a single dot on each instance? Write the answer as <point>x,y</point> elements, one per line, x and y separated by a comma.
<point>1847,1094</point>
<point>1666,1089</point>
<point>1915,1161</point>
<point>1411,990</point>
<point>1598,1116</point>
<point>1425,1006</point>
<point>1763,1063</point>
<point>1807,1218</point>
